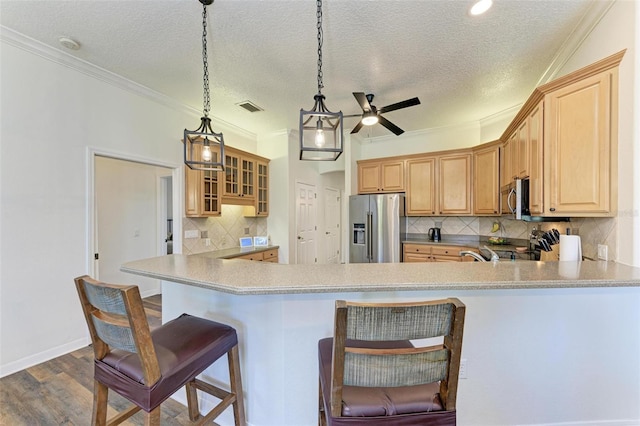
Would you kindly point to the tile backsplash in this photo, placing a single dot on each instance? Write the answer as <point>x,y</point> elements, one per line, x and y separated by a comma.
<point>592,231</point>
<point>221,232</point>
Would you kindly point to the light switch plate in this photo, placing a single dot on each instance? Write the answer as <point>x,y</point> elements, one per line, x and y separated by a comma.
<point>603,252</point>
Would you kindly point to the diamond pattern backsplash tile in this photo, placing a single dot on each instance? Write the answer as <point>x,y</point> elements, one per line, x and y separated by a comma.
<point>221,232</point>
<point>592,231</point>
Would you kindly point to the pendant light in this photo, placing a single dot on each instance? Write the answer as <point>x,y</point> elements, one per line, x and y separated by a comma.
<point>204,148</point>
<point>320,129</point>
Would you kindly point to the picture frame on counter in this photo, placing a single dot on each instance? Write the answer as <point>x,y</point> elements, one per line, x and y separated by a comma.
<point>246,241</point>
<point>260,241</point>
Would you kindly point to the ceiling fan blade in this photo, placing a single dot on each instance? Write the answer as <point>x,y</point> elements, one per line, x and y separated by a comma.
<point>352,115</point>
<point>399,105</point>
<point>357,128</point>
<point>362,100</point>
<point>389,125</point>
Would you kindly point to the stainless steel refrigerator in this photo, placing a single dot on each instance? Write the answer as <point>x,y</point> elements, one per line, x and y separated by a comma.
<point>377,224</point>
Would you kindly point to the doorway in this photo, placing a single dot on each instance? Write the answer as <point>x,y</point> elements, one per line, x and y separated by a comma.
<point>306,224</point>
<point>132,204</point>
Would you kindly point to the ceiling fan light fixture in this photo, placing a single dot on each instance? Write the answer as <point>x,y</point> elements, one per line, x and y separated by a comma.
<point>480,7</point>
<point>204,148</point>
<point>320,129</point>
<point>369,118</point>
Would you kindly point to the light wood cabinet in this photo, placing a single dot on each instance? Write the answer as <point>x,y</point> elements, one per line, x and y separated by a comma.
<point>245,181</point>
<point>270,255</point>
<point>571,132</point>
<point>578,139</point>
<point>454,184</point>
<point>421,187</point>
<point>417,253</point>
<point>522,152</point>
<point>486,181</point>
<point>380,176</point>
<point>239,177</point>
<point>260,207</point>
<point>439,185</point>
<point>536,159</point>
<point>202,191</point>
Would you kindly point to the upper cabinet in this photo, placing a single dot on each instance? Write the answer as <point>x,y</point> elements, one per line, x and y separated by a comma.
<point>454,184</point>
<point>486,180</point>
<point>439,185</point>
<point>239,177</point>
<point>421,187</point>
<point>202,191</point>
<point>579,141</point>
<point>380,176</point>
<point>245,181</point>
<point>536,158</point>
<point>568,129</point>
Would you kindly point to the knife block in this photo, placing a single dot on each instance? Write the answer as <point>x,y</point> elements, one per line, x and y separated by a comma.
<point>551,256</point>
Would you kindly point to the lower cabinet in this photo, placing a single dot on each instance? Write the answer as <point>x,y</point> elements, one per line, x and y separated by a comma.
<point>434,253</point>
<point>262,256</point>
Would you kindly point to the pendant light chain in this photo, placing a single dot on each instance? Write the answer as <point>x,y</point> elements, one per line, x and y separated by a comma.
<point>320,39</point>
<point>205,77</point>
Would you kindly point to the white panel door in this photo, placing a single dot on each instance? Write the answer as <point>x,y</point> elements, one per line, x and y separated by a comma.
<point>306,227</point>
<point>332,209</point>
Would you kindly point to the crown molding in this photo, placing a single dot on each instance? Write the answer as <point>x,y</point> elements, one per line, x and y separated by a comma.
<point>59,57</point>
<point>588,22</point>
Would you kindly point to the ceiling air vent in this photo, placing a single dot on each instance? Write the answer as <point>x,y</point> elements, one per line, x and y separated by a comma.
<point>249,106</point>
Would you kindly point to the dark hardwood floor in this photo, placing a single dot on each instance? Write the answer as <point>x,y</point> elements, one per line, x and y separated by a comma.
<point>60,391</point>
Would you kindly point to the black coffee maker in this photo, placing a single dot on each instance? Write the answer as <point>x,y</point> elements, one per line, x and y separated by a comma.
<point>434,234</point>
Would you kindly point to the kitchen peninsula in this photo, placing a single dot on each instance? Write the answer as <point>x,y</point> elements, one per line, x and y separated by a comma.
<point>537,336</point>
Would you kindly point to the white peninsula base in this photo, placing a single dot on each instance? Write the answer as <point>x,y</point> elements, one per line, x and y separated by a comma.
<point>533,356</point>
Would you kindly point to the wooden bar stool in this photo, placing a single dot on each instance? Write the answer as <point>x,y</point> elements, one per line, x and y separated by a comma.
<point>372,374</point>
<point>148,367</point>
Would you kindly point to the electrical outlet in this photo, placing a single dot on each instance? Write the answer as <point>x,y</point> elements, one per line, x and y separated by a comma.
<point>191,234</point>
<point>463,369</point>
<point>246,231</point>
<point>603,252</point>
<point>207,242</point>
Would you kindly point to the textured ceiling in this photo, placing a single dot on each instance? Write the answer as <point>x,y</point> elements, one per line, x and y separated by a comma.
<point>462,68</point>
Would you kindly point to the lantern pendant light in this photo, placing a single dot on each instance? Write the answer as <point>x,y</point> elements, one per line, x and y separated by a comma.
<point>320,129</point>
<point>204,148</point>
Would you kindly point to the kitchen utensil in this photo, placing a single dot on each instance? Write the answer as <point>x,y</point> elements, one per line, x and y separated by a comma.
<point>544,244</point>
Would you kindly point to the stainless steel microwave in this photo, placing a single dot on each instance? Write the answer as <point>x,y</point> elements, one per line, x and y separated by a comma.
<point>518,199</point>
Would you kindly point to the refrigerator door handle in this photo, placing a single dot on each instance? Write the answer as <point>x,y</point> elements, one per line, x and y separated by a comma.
<point>369,236</point>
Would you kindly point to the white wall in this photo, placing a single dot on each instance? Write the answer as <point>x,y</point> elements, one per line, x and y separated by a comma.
<point>53,116</point>
<point>444,138</point>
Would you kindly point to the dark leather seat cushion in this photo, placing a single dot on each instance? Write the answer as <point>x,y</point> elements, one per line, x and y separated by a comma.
<point>401,406</point>
<point>185,347</point>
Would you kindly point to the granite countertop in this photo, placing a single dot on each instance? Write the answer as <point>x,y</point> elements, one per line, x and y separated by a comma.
<point>245,278</point>
<point>232,252</point>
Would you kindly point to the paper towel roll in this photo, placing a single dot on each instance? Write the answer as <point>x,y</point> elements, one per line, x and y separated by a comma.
<point>570,248</point>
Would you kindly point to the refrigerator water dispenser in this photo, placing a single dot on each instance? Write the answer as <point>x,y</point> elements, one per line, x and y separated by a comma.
<point>358,233</point>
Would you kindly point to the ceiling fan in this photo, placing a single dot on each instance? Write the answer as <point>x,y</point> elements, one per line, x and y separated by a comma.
<point>371,114</point>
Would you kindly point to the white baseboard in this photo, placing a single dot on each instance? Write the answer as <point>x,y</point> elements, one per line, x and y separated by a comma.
<point>625,422</point>
<point>30,361</point>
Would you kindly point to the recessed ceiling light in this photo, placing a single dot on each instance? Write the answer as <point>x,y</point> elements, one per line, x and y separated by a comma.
<point>480,7</point>
<point>69,43</point>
